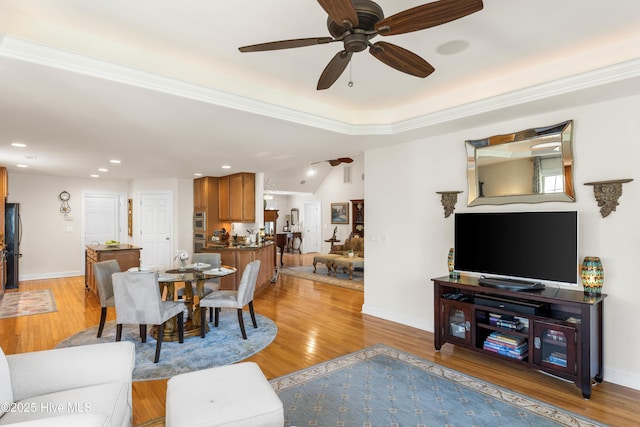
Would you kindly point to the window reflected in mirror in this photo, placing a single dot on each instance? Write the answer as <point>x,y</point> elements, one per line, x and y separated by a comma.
<point>530,166</point>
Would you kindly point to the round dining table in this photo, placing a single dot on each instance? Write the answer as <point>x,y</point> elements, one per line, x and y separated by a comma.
<point>192,274</point>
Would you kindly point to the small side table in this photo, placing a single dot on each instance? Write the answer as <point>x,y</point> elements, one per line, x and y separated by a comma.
<point>332,241</point>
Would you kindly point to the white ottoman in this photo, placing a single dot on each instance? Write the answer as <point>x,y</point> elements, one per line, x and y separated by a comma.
<point>233,395</point>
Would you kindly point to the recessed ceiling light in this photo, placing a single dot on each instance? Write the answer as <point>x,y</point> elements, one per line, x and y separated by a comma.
<point>226,167</point>
<point>114,161</point>
<point>197,174</point>
<point>18,144</point>
<point>22,166</point>
<point>94,175</point>
<point>103,170</point>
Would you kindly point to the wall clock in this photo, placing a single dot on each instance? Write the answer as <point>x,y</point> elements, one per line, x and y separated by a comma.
<point>64,198</point>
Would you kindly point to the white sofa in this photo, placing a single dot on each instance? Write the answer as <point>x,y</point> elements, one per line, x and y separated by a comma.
<point>88,385</point>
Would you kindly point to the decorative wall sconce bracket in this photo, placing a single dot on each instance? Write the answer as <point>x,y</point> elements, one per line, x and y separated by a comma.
<point>607,194</point>
<point>449,200</point>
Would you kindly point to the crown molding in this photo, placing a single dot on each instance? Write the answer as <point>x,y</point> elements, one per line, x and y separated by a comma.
<point>24,50</point>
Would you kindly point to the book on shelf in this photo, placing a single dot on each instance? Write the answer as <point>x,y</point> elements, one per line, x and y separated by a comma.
<point>557,358</point>
<point>495,341</point>
<point>506,338</point>
<point>505,351</point>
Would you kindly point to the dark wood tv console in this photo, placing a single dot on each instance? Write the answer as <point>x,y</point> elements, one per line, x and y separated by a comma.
<point>555,330</point>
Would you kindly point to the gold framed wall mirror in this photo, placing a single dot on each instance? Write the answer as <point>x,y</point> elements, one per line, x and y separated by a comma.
<point>295,216</point>
<point>530,166</point>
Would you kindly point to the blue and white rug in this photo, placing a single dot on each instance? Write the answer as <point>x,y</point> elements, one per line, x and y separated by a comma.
<point>221,346</point>
<point>382,386</point>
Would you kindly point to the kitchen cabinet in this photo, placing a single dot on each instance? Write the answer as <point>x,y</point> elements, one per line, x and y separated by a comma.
<point>205,199</point>
<point>240,256</point>
<point>237,197</point>
<point>127,256</point>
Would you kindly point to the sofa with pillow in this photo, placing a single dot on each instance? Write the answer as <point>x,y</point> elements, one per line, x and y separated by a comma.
<point>88,385</point>
<point>355,243</point>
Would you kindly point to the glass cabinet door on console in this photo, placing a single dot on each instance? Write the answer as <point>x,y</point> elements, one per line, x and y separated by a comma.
<point>456,321</point>
<point>555,347</point>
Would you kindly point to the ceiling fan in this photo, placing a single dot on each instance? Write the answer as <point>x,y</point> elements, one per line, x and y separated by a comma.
<point>355,22</point>
<point>336,162</point>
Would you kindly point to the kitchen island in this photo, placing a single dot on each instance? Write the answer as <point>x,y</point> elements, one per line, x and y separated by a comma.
<point>239,256</point>
<point>127,256</point>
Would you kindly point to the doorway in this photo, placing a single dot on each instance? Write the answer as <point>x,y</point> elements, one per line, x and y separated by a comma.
<point>156,231</point>
<point>103,215</point>
<point>312,227</point>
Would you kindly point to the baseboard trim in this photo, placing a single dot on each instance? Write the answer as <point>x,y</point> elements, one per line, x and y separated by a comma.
<point>54,275</point>
<point>622,378</point>
<point>395,317</point>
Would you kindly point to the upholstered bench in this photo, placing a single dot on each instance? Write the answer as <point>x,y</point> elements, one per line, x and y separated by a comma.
<point>324,259</point>
<point>349,263</point>
<point>231,396</point>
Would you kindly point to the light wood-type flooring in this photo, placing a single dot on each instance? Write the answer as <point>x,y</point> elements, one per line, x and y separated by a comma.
<point>316,322</point>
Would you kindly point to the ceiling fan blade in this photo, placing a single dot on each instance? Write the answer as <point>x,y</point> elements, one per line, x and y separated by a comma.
<point>340,11</point>
<point>427,16</point>
<point>336,162</point>
<point>345,159</point>
<point>334,69</point>
<point>401,59</point>
<point>286,44</point>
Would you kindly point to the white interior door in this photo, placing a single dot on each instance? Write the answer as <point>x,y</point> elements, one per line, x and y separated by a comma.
<point>101,217</point>
<point>312,234</point>
<point>156,231</point>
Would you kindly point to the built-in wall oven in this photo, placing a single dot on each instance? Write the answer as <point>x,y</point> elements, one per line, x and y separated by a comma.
<point>199,241</point>
<point>199,221</point>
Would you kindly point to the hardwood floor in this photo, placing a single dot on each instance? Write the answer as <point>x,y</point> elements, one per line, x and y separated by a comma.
<point>316,322</point>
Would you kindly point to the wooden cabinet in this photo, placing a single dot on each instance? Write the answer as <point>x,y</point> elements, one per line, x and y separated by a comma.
<point>240,257</point>
<point>557,331</point>
<point>205,199</point>
<point>237,197</point>
<point>357,217</point>
<point>127,256</point>
<point>455,321</point>
<point>270,227</point>
<point>224,198</point>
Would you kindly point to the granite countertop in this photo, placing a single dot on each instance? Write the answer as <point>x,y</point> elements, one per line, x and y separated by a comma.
<point>213,247</point>
<point>120,247</point>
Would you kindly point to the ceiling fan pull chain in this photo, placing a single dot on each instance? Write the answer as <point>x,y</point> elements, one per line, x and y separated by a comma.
<point>350,84</point>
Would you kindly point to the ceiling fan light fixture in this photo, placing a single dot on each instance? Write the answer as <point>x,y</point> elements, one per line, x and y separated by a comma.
<point>356,22</point>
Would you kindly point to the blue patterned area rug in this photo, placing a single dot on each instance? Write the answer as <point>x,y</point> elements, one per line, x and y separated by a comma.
<point>382,386</point>
<point>221,346</point>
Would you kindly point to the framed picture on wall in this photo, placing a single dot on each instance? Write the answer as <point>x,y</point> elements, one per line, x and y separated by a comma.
<point>340,213</point>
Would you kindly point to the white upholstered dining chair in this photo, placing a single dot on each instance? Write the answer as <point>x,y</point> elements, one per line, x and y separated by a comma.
<point>102,272</point>
<point>233,299</point>
<point>138,301</point>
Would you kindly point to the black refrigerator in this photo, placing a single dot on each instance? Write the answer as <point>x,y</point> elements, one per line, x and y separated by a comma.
<point>12,237</point>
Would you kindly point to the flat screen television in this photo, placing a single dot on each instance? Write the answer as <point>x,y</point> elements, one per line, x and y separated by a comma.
<point>533,247</point>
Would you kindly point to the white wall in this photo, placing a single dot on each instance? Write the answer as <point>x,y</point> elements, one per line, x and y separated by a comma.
<point>408,237</point>
<point>332,190</point>
<point>52,246</point>
<point>50,250</point>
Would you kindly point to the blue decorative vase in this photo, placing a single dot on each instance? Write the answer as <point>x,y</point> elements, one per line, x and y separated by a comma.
<point>592,275</point>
